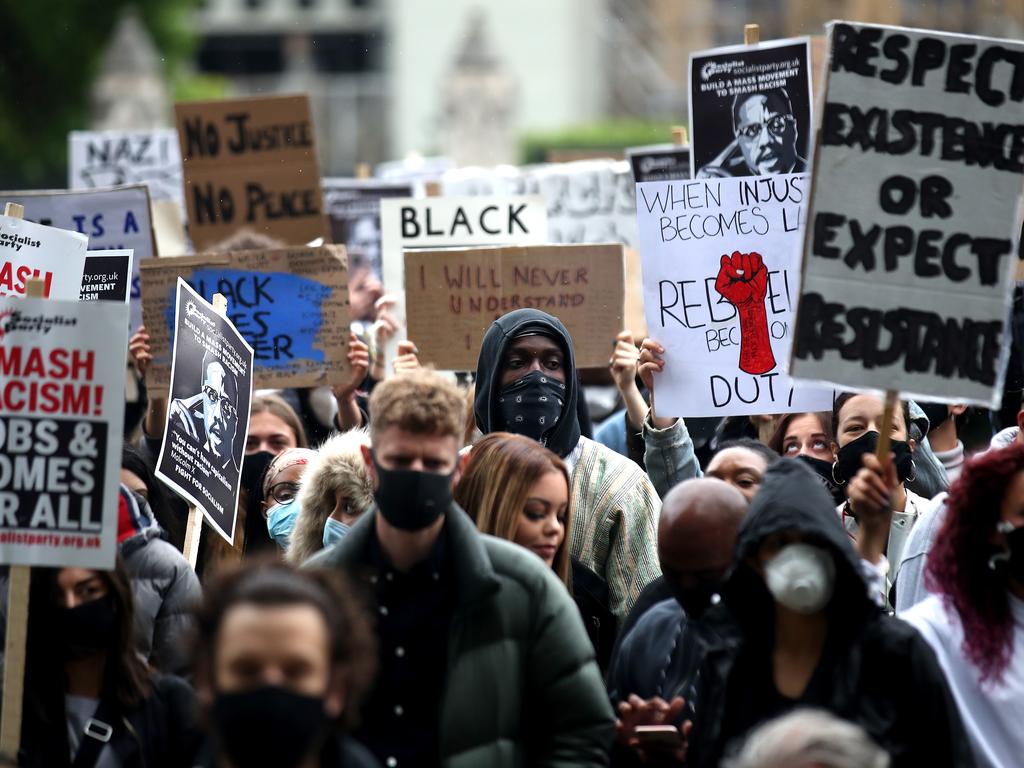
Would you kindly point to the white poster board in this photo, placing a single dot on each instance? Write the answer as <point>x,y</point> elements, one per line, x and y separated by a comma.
<point>33,251</point>
<point>725,320</point>
<point>915,215</point>
<point>450,222</point>
<point>61,425</point>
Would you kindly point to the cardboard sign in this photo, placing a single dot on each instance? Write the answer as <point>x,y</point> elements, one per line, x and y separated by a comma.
<point>33,251</point>
<point>208,414</point>
<point>290,305</point>
<point>590,201</point>
<point>61,422</point>
<point>112,158</point>
<point>453,296</point>
<point>353,206</point>
<point>750,109</point>
<point>724,317</point>
<point>908,262</point>
<point>112,218</point>
<point>250,164</point>
<point>659,162</point>
<point>107,276</point>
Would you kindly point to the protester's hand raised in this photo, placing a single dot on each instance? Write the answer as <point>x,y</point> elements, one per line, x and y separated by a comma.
<point>650,362</point>
<point>139,350</point>
<point>636,712</point>
<point>359,359</point>
<point>385,324</point>
<point>624,360</point>
<point>870,495</point>
<point>407,359</point>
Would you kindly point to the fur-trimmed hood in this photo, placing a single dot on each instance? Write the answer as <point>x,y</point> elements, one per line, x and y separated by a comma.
<point>338,464</point>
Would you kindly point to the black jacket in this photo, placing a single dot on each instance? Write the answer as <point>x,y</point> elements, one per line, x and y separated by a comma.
<point>497,340</point>
<point>339,752</point>
<point>590,592</point>
<point>161,731</point>
<point>875,671</point>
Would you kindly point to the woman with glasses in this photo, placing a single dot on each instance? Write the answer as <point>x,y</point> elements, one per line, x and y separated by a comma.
<point>281,490</point>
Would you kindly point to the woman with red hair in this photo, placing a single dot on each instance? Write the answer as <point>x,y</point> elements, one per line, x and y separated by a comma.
<point>974,620</point>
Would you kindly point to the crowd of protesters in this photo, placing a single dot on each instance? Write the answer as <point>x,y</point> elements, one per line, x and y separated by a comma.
<point>443,571</point>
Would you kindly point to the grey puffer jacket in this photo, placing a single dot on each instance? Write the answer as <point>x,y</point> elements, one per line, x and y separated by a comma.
<point>165,588</point>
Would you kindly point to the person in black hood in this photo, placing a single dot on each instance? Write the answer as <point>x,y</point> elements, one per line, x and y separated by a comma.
<point>526,384</point>
<point>797,628</point>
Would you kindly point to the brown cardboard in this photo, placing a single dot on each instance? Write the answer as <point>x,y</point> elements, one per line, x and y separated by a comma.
<point>267,182</point>
<point>582,285</point>
<point>275,314</point>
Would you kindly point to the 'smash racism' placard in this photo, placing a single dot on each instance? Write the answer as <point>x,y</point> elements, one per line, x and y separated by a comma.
<point>31,251</point>
<point>208,412</point>
<point>721,278</point>
<point>453,296</point>
<point>911,237</point>
<point>112,158</point>
<point>290,305</point>
<point>750,109</point>
<point>61,420</point>
<point>250,165</point>
<point>112,218</point>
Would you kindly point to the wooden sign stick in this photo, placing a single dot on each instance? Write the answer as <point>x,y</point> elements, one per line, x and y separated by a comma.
<point>751,34</point>
<point>885,436</point>
<point>194,526</point>
<point>19,580</point>
<point>363,171</point>
<point>680,137</point>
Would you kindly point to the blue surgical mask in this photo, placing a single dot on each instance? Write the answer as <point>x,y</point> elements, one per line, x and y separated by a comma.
<point>334,531</point>
<point>280,521</point>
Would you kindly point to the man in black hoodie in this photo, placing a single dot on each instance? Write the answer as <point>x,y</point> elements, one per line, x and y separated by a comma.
<point>526,383</point>
<point>798,629</point>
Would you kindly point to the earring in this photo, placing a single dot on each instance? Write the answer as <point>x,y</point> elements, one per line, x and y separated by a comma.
<point>996,559</point>
<point>834,480</point>
<point>913,472</point>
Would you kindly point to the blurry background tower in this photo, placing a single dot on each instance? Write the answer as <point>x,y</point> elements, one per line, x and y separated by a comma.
<point>129,92</point>
<point>479,102</point>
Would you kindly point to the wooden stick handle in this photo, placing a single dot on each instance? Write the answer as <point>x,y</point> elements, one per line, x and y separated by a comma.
<point>751,34</point>
<point>193,532</point>
<point>680,137</point>
<point>885,436</point>
<point>14,210</point>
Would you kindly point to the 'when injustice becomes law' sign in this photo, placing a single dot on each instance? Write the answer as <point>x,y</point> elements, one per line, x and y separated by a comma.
<point>908,254</point>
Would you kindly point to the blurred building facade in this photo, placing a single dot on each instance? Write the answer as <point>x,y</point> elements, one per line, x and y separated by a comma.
<point>467,77</point>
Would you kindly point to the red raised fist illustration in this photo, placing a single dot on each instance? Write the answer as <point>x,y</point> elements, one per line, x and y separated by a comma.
<point>743,280</point>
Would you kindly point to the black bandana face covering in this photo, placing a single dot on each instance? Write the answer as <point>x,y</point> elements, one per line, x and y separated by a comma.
<point>848,459</point>
<point>531,406</point>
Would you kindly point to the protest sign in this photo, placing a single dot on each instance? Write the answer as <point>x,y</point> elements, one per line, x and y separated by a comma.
<point>208,413</point>
<point>908,262</point>
<point>750,109</point>
<point>33,251</point>
<point>453,296</point>
<point>61,420</point>
<point>721,278</point>
<point>115,217</point>
<point>589,201</point>
<point>107,276</point>
<point>250,164</point>
<point>353,206</point>
<point>290,305</point>
<point>113,158</point>
<point>659,162</point>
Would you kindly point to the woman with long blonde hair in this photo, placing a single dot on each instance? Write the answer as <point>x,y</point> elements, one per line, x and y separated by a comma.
<point>516,489</point>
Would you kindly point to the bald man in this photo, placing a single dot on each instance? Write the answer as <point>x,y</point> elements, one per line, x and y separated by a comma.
<point>651,677</point>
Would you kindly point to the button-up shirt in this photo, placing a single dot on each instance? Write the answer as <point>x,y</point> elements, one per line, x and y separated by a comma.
<point>401,719</point>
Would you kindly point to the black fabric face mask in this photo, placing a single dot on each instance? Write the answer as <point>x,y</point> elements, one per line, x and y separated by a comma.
<point>87,629</point>
<point>823,470</point>
<point>531,406</point>
<point>268,726</point>
<point>848,459</point>
<point>411,500</point>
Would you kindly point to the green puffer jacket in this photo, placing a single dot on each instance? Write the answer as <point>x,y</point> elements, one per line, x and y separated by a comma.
<point>523,688</point>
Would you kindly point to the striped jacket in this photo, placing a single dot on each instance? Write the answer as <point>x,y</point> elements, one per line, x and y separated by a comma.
<point>615,522</point>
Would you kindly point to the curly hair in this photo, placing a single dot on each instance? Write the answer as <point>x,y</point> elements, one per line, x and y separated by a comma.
<point>958,566</point>
<point>422,402</point>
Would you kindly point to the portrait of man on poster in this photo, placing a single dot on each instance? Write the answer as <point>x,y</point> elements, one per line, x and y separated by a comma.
<point>210,418</point>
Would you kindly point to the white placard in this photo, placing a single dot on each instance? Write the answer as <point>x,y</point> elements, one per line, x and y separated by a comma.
<point>33,251</point>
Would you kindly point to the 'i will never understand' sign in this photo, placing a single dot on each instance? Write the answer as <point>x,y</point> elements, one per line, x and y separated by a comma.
<point>915,214</point>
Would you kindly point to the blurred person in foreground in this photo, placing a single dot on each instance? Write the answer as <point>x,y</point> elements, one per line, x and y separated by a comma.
<point>90,699</point>
<point>974,620</point>
<point>483,657</point>
<point>283,659</point>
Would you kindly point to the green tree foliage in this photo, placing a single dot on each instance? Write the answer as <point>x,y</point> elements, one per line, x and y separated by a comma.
<point>50,51</point>
<point>611,136</point>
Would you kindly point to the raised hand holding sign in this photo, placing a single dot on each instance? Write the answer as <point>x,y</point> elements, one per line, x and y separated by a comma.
<point>743,280</point>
